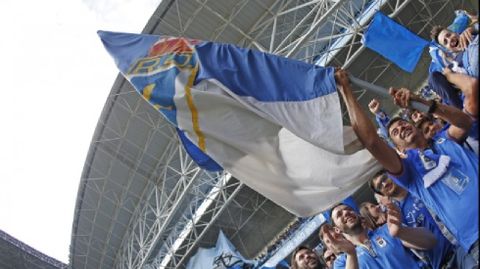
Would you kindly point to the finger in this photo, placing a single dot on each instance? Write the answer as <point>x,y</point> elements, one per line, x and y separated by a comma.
<point>403,100</point>
<point>462,42</point>
<point>391,208</point>
<point>394,222</point>
<point>394,215</point>
<point>468,36</point>
<point>330,237</point>
<point>391,91</point>
<point>407,96</point>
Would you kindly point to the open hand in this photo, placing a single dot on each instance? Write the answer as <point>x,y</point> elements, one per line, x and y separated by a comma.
<point>465,38</point>
<point>394,219</point>
<point>340,244</point>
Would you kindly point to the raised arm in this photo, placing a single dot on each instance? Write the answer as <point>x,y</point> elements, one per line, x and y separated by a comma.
<point>468,85</point>
<point>365,129</point>
<point>459,121</point>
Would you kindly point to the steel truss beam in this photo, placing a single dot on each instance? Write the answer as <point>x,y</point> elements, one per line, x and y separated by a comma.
<point>189,230</point>
<point>160,206</point>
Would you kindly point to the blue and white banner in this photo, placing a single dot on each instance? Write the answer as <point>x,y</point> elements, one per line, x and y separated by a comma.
<point>273,123</point>
<point>223,256</point>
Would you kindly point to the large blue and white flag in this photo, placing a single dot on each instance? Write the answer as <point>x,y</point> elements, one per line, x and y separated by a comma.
<point>273,123</point>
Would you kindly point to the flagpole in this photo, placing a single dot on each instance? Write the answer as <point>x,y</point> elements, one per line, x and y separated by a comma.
<point>384,92</point>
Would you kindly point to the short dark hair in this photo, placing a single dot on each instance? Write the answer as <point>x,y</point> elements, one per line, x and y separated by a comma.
<point>370,182</point>
<point>435,32</point>
<point>292,260</point>
<point>419,123</point>
<point>391,122</point>
<point>366,214</point>
<point>320,231</point>
<point>333,207</point>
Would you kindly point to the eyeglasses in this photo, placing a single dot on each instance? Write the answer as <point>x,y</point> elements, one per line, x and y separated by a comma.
<point>381,183</point>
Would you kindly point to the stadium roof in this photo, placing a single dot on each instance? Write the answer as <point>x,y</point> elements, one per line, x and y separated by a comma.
<point>14,254</point>
<point>142,202</point>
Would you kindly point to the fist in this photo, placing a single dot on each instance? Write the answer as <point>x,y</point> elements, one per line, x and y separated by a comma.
<point>341,77</point>
<point>401,97</point>
<point>374,106</point>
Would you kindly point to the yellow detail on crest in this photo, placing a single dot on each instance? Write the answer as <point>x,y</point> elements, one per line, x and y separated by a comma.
<point>147,91</point>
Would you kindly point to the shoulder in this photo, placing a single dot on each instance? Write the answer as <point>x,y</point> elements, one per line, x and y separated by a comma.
<point>405,175</point>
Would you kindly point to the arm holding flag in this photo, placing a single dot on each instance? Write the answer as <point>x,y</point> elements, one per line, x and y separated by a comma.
<point>365,129</point>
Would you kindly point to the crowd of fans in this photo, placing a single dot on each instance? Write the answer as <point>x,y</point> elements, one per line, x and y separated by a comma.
<point>426,215</point>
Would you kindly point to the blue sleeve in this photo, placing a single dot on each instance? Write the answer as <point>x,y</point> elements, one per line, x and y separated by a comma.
<point>340,262</point>
<point>382,120</point>
<point>405,177</point>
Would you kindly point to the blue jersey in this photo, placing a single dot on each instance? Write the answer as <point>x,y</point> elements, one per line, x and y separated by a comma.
<point>454,195</point>
<point>415,214</point>
<point>386,252</point>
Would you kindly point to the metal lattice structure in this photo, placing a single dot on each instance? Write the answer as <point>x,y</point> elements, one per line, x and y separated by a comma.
<point>143,203</point>
<point>14,254</point>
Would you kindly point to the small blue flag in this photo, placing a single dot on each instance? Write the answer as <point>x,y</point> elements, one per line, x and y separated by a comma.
<point>394,42</point>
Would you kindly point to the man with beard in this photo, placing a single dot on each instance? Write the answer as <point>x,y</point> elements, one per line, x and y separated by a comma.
<point>383,247</point>
<point>305,258</point>
<point>441,172</point>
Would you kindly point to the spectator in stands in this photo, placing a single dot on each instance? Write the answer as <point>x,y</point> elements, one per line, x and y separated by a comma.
<point>415,214</point>
<point>462,27</point>
<point>463,47</point>
<point>305,258</point>
<point>329,258</point>
<point>442,173</point>
<point>383,247</point>
<point>417,116</point>
<point>430,128</point>
<point>373,213</point>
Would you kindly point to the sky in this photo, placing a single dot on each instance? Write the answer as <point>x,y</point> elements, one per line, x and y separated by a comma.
<point>55,79</point>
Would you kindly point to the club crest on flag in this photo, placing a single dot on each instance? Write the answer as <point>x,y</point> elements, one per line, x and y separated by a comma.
<point>155,75</point>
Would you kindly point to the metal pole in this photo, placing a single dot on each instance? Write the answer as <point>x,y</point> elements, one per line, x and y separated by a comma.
<point>384,92</point>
